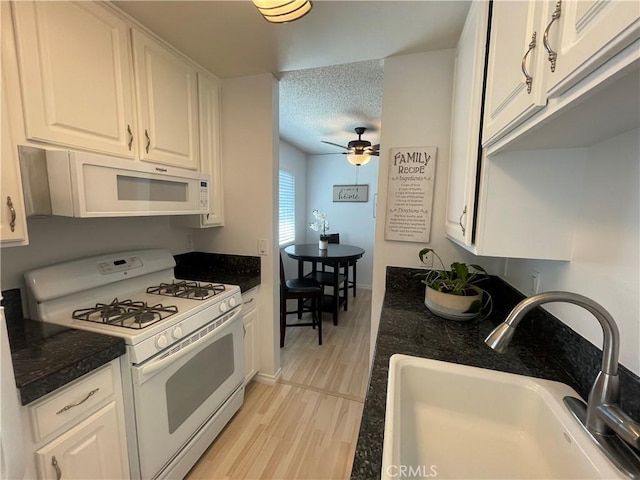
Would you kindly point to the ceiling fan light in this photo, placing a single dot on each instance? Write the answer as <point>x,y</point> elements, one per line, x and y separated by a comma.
<point>282,11</point>
<point>358,159</point>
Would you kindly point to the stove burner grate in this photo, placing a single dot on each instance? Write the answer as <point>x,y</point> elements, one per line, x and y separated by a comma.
<point>186,289</point>
<point>125,313</point>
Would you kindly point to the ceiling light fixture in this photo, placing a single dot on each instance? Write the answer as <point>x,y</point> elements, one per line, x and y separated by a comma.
<point>358,159</point>
<point>282,11</point>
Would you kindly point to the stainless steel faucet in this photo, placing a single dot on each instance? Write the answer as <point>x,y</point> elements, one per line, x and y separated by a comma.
<point>601,417</point>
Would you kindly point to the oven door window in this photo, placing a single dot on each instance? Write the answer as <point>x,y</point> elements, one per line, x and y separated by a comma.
<point>185,391</point>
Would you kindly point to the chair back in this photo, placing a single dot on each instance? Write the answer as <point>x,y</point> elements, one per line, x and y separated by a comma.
<point>283,280</point>
<point>333,238</point>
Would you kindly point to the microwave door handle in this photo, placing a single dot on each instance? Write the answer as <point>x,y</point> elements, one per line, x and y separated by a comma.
<point>152,367</point>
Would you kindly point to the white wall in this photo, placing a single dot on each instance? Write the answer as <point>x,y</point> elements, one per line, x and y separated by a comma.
<point>295,161</point>
<point>416,112</point>
<point>606,260</point>
<point>250,144</point>
<point>59,239</point>
<point>354,221</point>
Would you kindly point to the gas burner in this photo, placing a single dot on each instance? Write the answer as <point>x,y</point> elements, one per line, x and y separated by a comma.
<point>125,313</point>
<point>184,289</point>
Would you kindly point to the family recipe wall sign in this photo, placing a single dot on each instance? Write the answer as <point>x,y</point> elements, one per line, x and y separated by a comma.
<point>410,194</point>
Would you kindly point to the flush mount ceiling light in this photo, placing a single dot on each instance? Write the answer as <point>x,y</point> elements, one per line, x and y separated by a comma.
<point>282,11</point>
<point>358,159</point>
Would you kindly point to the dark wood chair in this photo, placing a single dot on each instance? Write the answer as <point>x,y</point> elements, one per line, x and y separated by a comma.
<point>300,289</point>
<point>325,276</point>
<point>350,278</point>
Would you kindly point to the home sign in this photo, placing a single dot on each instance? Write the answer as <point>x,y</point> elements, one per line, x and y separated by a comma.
<point>351,193</point>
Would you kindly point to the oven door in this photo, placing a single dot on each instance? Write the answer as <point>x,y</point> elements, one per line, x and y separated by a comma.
<point>176,394</point>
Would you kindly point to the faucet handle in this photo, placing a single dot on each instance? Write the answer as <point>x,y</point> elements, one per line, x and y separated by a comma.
<point>621,423</point>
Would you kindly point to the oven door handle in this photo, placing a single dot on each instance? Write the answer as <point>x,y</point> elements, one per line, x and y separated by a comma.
<point>156,365</point>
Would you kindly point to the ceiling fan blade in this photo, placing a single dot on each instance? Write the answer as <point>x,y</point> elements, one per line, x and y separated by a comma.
<point>335,144</point>
<point>376,147</point>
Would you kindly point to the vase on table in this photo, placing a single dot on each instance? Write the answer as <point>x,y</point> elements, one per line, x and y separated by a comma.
<point>323,243</point>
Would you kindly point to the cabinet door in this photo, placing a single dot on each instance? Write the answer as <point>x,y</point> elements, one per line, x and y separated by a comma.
<point>13,224</point>
<point>584,34</point>
<point>250,364</point>
<point>167,102</point>
<point>75,75</point>
<point>515,45</point>
<point>90,450</point>
<point>250,312</point>
<point>465,123</point>
<point>209,127</point>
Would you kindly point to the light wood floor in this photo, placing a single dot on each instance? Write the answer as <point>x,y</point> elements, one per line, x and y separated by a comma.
<point>306,426</point>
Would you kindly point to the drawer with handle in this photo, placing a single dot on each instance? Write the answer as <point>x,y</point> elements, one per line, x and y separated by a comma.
<point>71,403</point>
<point>249,300</point>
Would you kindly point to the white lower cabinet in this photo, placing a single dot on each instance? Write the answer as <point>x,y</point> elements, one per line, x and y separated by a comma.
<point>78,431</point>
<point>250,312</point>
<point>90,450</point>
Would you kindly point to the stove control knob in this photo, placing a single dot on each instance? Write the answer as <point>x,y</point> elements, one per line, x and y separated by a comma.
<point>161,341</point>
<point>223,307</point>
<point>232,302</point>
<point>177,333</point>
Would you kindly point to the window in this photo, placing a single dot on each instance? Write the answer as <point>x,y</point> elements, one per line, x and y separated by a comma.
<point>287,230</point>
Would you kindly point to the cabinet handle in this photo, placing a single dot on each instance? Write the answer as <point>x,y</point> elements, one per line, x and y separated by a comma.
<point>464,212</point>
<point>68,407</point>
<point>146,134</point>
<point>249,301</point>
<point>12,222</point>
<point>130,133</point>
<point>55,465</point>
<point>528,78</point>
<point>545,38</point>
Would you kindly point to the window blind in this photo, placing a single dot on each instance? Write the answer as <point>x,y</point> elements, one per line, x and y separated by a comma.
<point>287,229</point>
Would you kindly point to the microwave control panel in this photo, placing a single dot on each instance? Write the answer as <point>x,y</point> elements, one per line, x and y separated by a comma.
<point>204,195</point>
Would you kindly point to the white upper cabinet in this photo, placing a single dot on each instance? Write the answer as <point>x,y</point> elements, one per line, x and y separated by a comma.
<point>13,224</point>
<point>209,114</point>
<point>167,104</point>
<point>210,158</point>
<point>515,89</point>
<point>76,77</point>
<point>465,124</point>
<point>564,49</point>
<point>582,35</point>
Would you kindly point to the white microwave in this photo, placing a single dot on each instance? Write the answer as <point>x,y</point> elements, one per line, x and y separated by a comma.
<point>84,184</point>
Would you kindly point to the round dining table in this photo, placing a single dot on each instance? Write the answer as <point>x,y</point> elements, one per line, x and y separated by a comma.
<point>335,255</point>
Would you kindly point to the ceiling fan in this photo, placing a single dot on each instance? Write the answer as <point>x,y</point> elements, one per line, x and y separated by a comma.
<point>359,151</point>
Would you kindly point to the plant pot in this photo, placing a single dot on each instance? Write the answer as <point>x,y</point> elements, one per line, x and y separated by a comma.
<point>453,307</point>
<point>323,244</point>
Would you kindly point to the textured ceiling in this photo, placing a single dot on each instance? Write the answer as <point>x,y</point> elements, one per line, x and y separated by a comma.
<point>231,39</point>
<point>342,97</point>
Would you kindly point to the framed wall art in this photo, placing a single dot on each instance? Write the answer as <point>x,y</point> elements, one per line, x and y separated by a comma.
<point>351,193</point>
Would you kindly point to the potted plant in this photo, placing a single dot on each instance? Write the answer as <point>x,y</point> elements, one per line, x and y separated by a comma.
<point>321,224</point>
<point>454,293</point>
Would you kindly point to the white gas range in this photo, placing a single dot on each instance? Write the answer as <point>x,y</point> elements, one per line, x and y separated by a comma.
<point>184,367</point>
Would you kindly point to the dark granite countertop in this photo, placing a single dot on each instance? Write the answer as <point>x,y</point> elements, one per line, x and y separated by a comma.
<point>46,357</point>
<point>407,327</point>
<point>240,270</point>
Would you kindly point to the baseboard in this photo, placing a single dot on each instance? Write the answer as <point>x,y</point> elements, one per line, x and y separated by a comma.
<point>268,379</point>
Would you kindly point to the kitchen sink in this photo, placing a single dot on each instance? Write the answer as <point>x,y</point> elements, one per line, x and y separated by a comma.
<point>445,420</point>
